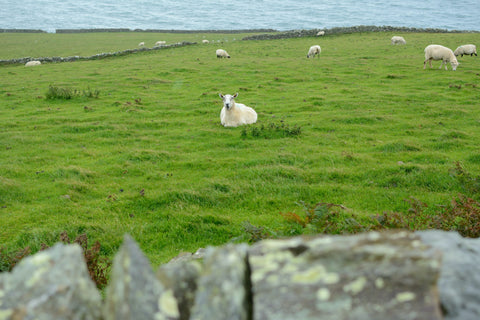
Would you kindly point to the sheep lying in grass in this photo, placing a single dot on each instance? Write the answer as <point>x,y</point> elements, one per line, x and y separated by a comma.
<point>314,50</point>
<point>470,49</point>
<point>141,44</point>
<point>205,41</point>
<point>222,53</point>
<point>438,52</point>
<point>32,63</point>
<point>398,40</point>
<point>159,43</point>
<point>235,114</point>
<point>320,33</point>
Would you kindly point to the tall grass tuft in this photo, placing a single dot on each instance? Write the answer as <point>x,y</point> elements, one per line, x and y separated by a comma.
<point>91,93</point>
<point>55,92</point>
<point>67,93</point>
<point>271,131</point>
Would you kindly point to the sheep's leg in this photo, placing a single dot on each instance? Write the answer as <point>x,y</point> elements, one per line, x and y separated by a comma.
<point>425,63</point>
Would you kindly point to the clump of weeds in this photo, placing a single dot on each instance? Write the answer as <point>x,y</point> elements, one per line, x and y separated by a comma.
<point>97,265</point>
<point>271,131</point>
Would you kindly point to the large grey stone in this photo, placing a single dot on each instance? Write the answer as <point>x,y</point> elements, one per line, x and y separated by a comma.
<point>134,293</point>
<point>459,283</point>
<point>368,276</point>
<point>52,284</point>
<point>182,277</point>
<point>224,286</point>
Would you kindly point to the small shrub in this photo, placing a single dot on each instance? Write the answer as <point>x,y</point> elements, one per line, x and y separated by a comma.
<point>327,218</point>
<point>253,233</point>
<point>413,219</point>
<point>55,92</point>
<point>270,131</point>
<point>463,216</point>
<point>97,266</point>
<point>89,93</point>
<point>60,93</point>
<point>469,183</point>
<point>8,260</point>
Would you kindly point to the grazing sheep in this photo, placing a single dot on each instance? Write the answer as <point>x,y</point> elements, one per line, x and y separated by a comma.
<point>159,43</point>
<point>320,33</point>
<point>470,49</point>
<point>141,44</point>
<point>235,114</point>
<point>438,52</point>
<point>222,53</point>
<point>398,40</point>
<point>205,41</point>
<point>314,50</point>
<point>32,63</point>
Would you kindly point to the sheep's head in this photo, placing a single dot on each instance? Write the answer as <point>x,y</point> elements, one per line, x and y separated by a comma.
<point>454,65</point>
<point>228,100</point>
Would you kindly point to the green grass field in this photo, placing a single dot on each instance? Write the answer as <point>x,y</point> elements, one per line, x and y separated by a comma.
<point>149,157</point>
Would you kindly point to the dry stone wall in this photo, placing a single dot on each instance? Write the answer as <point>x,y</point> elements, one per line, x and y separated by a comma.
<point>94,57</point>
<point>392,275</point>
<point>345,30</point>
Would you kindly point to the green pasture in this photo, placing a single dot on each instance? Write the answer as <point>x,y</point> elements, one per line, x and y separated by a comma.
<point>148,156</point>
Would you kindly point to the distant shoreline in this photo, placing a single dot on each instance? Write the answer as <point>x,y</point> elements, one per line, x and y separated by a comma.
<point>352,29</point>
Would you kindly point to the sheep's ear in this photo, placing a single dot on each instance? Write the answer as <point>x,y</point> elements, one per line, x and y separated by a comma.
<point>220,95</point>
<point>235,95</point>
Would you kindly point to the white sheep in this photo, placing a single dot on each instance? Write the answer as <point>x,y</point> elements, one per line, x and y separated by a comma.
<point>320,33</point>
<point>470,49</point>
<point>438,52</point>
<point>398,40</point>
<point>235,114</point>
<point>32,63</point>
<point>141,44</point>
<point>159,43</point>
<point>205,41</point>
<point>222,53</point>
<point>314,50</point>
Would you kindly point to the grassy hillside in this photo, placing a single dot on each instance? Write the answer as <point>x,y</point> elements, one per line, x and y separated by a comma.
<point>149,157</point>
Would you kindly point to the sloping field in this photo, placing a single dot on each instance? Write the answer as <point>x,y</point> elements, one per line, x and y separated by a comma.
<point>138,148</point>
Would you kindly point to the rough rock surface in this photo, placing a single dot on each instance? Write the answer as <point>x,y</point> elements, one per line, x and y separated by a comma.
<point>459,282</point>
<point>388,275</point>
<point>181,276</point>
<point>368,276</point>
<point>134,293</point>
<point>223,288</point>
<point>52,284</point>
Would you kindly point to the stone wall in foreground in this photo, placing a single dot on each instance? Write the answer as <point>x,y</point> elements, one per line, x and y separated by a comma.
<point>393,275</point>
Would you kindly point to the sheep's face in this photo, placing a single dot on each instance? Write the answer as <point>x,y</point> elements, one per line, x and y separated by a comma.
<point>228,100</point>
<point>454,65</point>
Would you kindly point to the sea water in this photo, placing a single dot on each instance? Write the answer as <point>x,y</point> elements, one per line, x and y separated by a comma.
<point>49,15</point>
